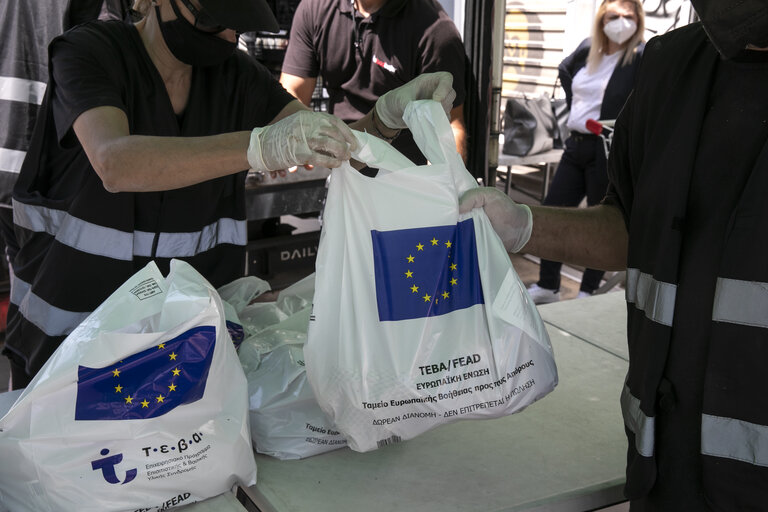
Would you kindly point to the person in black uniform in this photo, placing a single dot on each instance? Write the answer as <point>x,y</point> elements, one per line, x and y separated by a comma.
<point>597,79</point>
<point>26,28</point>
<point>364,48</point>
<point>686,215</point>
<point>140,153</point>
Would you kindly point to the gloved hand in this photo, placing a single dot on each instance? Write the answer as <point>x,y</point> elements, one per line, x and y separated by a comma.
<point>513,222</point>
<point>302,138</point>
<point>429,86</point>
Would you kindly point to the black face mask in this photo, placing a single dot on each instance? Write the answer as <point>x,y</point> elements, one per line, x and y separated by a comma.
<point>733,24</point>
<point>191,45</point>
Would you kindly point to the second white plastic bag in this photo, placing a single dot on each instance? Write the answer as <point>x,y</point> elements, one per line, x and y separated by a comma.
<point>286,421</point>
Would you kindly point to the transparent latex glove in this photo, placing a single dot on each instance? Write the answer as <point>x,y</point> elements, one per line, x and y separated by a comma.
<point>513,222</point>
<point>429,86</point>
<point>306,137</point>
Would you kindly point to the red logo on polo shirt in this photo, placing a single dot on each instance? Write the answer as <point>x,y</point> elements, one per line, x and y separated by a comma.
<point>386,65</point>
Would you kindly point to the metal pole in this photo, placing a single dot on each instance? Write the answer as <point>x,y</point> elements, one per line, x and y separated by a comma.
<point>497,80</point>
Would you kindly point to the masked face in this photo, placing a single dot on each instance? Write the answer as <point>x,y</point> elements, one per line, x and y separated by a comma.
<point>733,24</point>
<point>620,30</point>
<point>191,45</point>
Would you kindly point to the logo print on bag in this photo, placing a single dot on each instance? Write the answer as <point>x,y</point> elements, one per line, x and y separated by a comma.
<point>423,272</point>
<point>150,383</point>
<point>107,467</point>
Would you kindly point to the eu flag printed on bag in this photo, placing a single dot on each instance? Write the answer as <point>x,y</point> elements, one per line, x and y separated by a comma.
<point>150,383</point>
<point>236,332</point>
<point>423,272</point>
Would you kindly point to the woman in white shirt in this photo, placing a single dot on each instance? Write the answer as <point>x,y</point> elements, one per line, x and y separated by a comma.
<point>597,79</point>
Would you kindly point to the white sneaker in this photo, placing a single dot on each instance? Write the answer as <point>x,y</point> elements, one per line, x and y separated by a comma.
<point>541,295</point>
<point>582,294</point>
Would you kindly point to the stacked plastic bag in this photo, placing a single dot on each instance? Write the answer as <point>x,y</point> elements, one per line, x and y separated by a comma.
<point>286,421</point>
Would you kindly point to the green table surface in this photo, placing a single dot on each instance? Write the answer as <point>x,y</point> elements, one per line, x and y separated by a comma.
<point>600,320</point>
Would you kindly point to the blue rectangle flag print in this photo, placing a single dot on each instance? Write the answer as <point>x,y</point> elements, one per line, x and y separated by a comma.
<point>150,383</point>
<point>423,272</point>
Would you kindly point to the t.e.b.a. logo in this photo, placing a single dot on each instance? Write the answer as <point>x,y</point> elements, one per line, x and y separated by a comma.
<point>107,467</point>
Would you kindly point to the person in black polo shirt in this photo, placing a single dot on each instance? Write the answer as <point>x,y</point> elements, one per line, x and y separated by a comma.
<point>364,48</point>
<point>140,153</point>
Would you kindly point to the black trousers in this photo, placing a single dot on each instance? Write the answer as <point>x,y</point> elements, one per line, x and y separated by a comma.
<point>582,171</point>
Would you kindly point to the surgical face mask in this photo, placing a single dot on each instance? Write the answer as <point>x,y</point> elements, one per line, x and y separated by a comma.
<point>191,45</point>
<point>620,30</point>
<point>733,24</point>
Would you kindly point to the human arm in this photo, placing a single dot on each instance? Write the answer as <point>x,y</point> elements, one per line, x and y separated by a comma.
<point>594,237</point>
<point>138,163</point>
<point>459,131</point>
<point>568,67</point>
<point>440,48</point>
<point>300,87</point>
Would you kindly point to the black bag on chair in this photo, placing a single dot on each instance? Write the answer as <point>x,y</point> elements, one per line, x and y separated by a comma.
<point>529,126</point>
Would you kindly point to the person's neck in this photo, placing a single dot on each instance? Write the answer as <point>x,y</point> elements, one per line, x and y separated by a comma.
<point>613,47</point>
<point>171,69</point>
<point>368,7</point>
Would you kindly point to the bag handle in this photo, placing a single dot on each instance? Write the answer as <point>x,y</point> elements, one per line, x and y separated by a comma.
<point>434,136</point>
<point>374,152</point>
<point>432,132</point>
<point>555,86</point>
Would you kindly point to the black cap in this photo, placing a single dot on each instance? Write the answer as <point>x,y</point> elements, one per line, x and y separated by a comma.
<point>242,15</point>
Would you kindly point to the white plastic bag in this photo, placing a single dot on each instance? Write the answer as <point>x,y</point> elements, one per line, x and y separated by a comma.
<point>142,407</point>
<point>286,421</point>
<point>236,298</point>
<point>419,318</point>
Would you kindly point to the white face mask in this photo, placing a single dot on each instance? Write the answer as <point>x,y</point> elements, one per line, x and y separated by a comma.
<point>620,30</point>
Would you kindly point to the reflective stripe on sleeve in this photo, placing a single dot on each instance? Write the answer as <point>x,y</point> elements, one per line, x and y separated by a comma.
<point>734,439</point>
<point>21,89</point>
<point>11,160</point>
<point>741,302</point>
<point>122,245</point>
<point>655,298</point>
<point>51,320</point>
<point>638,423</point>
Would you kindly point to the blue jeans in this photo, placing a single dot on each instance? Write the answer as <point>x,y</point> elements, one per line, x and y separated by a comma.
<point>582,171</point>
